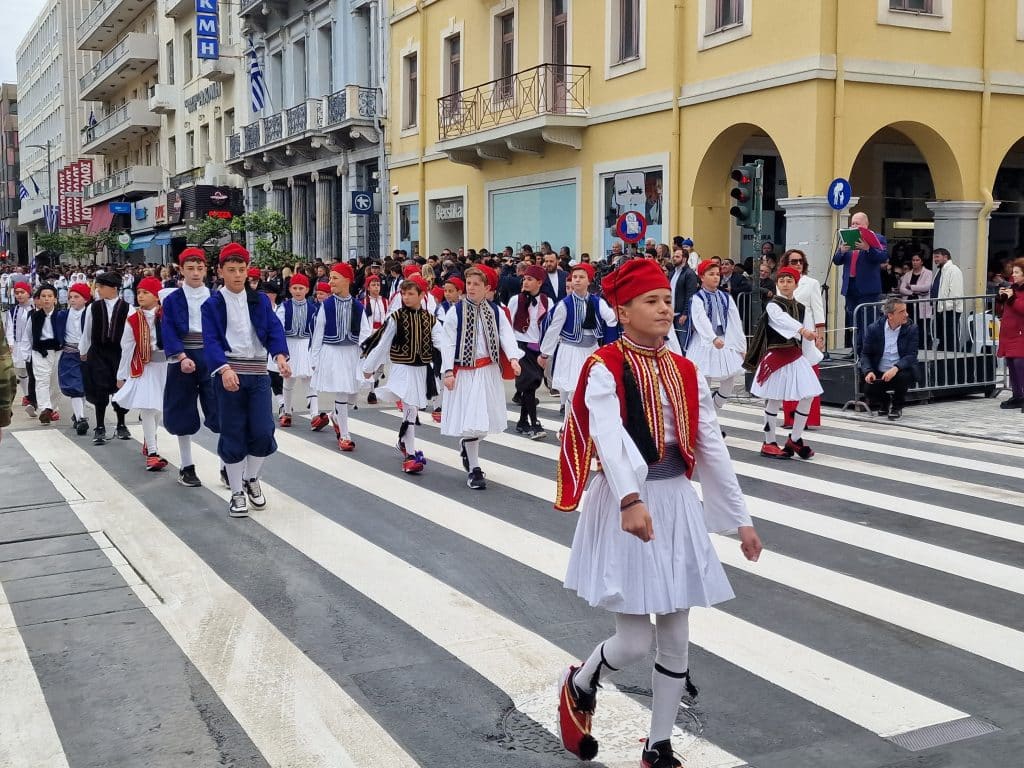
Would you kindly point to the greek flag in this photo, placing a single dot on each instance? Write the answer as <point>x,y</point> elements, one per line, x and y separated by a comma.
<point>23,191</point>
<point>257,83</point>
<point>51,214</point>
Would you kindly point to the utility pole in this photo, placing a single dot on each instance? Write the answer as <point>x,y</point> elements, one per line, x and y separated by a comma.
<point>49,175</point>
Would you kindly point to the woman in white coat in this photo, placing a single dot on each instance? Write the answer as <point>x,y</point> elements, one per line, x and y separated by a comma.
<point>808,293</point>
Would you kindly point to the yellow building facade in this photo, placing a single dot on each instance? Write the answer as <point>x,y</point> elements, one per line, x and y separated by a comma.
<point>521,121</point>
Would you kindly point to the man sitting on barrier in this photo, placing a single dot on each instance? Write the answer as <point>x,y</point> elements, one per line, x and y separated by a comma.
<point>888,359</point>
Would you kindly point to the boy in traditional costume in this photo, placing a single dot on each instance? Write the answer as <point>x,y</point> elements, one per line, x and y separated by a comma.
<point>142,374</point>
<point>71,323</point>
<point>239,330</point>
<point>18,330</point>
<point>408,339</point>
<point>46,345</point>
<point>781,355</point>
<point>529,309</point>
<point>376,310</point>
<point>477,333</point>
<point>641,545</point>
<point>717,344</point>
<point>189,383</point>
<point>297,314</point>
<point>100,350</point>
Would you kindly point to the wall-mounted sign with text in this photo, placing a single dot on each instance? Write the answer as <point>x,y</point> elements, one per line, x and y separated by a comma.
<point>207,30</point>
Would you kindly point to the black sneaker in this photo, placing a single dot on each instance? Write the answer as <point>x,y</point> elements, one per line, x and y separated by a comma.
<point>659,755</point>
<point>524,429</point>
<point>187,477</point>
<point>464,455</point>
<point>561,410</point>
<point>895,414</point>
<point>224,478</point>
<point>517,398</point>
<point>255,493</point>
<point>82,427</point>
<point>537,432</point>
<point>99,436</point>
<point>1013,402</point>
<point>371,399</point>
<point>122,432</point>
<point>238,506</point>
<point>476,479</point>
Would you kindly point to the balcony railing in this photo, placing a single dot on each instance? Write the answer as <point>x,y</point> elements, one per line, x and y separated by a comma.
<point>93,17</point>
<point>247,5</point>
<point>111,58</point>
<point>117,182</point>
<point>234,145</point>
<point>548,89</point>
<point>186,178</point>
<point>135,113</point>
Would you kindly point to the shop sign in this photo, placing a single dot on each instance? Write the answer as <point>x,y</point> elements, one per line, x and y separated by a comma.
<point>448,210</point>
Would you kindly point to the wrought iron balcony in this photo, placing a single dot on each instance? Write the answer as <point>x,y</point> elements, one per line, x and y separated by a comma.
<point>354,102</point>
<point>234,145</point>
<point>547,90</point>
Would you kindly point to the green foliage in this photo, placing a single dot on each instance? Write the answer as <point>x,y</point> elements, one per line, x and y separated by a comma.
<point>267,228</point>
<point>75,245</point>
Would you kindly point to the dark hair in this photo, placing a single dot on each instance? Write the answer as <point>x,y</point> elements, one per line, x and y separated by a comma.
<point>44,287</point>
<point>790,251</point>
<point>943,251</point>
<point>410,285</point>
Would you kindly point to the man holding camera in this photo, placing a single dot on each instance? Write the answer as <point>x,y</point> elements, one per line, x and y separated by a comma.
<point>888,359</point>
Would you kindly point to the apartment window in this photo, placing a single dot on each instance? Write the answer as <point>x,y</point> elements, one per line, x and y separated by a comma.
<point>172,156</point>
<point>325,60</point>
<point>453,56</point>
<point>190,149</point>
<point>913,6</point>
<point>186,56</point>
<point>410,71</point>
<point>506,55</point>
<point>728,13</point>
<point>204,144</point>
<point>629,29</point>
<point>170,62</point>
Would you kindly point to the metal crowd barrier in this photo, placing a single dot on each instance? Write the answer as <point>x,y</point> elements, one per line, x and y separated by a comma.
<point>957,343</point>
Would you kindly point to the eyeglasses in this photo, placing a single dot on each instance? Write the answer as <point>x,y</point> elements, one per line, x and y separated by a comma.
<point>796,261</point>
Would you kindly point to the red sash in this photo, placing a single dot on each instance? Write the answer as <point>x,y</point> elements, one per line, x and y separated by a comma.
<point>776,358</point>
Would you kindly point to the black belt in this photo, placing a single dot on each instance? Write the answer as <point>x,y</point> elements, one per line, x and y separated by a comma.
<point>672,464</point>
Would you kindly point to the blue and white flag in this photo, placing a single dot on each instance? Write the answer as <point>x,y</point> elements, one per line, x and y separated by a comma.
<point>23,191</point>
<point>92,119</point>
<point>257,83</point>
<point>51,213</point>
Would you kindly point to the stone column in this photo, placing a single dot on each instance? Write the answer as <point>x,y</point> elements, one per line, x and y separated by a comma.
<point>811,227</point>
<point>343,239</point>
<point>324,224</point>
<point>956,230</point>
<point>277,198</point>
<point>298,218</point>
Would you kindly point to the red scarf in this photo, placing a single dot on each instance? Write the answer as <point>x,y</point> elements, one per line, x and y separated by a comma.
<point>678,377</point>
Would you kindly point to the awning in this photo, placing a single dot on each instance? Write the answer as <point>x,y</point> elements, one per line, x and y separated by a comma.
<point>140,242</point>
<point>101,219</point>
<point>162,238</point>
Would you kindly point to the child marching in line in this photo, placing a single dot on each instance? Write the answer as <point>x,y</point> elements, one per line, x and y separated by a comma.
<point>143,369</point>
<point>578,325</point>
<point>376,310</point>
<point>477,333</point>
<point>337,333</point>
<point>718,343</point>
<point>188,384</point>
<point>641,545</point>
<point>239,329</point>
<point>46,345</point>
<point>18,330</point>
<point>70,324</point>
<point>272,290</point>
<point>528,309</point>
<point>297,315</point>
<point>100,349</point>
<point>408,339</point>
<point>782,353</point>
<point>322,293</point>
<point>427,300</point>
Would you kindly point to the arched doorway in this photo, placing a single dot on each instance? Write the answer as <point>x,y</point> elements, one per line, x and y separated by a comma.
<point>718,235</point>
<point>1006,226</point>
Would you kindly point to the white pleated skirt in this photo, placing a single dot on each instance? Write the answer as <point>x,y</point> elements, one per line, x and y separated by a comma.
<point>299,358</point>
<point>146,391</point>
<point>614,570</point>
<point>476,407</point>
<point>407,383</point>
<point>714,363</point>
<point>339,370</point>
<point>791,382</point>
<point>568,364</point>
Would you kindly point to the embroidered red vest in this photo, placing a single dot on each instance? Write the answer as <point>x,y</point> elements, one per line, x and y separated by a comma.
<point>676,374</point>
<point>143,342</point>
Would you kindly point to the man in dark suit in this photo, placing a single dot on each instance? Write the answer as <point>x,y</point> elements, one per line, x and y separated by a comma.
<point>554,285</point>
<point>684,284</point>
<point>888,359</point>
<point>862,277</point>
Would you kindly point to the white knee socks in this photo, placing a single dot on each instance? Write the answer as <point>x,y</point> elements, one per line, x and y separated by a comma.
<point>629,644</point>
<point>803,410</point>
<point>185,449</point>
<point>78,407</point>
<point>721,395</point>
<point>253,465</point>
<point>472,447</point>
<point>149,417</point>
<point>669,678</point>
<point>236,473</point>
<point>289,394</point>
<point>771,418</point>
<point>409,423</point>
<point>341,417</point>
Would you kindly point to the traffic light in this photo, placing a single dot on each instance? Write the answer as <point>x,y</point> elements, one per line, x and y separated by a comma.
<point>743,194</point>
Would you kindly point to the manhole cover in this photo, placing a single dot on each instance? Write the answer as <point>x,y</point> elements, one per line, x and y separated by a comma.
<point>622,719</point>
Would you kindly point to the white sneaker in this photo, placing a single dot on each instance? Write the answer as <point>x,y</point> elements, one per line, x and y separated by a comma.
<point>255,493</point>
<point>238,506</point>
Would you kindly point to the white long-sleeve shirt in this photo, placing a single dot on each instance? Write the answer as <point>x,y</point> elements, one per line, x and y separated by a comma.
<point>238,332</point>
<point>124,368</point>
<point>85,343</point>
<point>18,330</point>
<point>734,337</point>
<point>195,297</point>
<point>549,343</point>
<point>506,338</point>
<point>536,312</point>
<point>380,353</point>
<point>73,331</point>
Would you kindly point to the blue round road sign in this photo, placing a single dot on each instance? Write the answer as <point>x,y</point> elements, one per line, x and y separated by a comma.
<point>631,226</point>
<point>839,193</point>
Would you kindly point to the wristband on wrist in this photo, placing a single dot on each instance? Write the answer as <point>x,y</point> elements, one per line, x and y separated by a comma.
<point>633,503</point>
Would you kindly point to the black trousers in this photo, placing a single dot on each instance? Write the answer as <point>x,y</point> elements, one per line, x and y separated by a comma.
<point>947,331</point>
<point>527,383</point>
<point>877,393</point>
<point>31,383</point>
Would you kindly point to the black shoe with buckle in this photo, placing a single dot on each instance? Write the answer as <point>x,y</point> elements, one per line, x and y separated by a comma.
<point>476,479</point>
<point>187,477</point>
<point>659,755</point>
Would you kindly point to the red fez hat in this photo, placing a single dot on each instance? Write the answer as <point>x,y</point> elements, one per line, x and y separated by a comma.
<point>299,279</point>
<point>344,270</point>
<point>458,282</point>
<point>23,286</point>
<point>588,268</point>
<point>196,254</point>
<point>233,251</point>
<point>254,272</point>
<point>790,271</point>
<point>421,282</point>
<point>536,272</point>
<point>323,287</point>
<point>635,277</point>
<point>437,292</point>
<point>492,276</point>
<point>82,290</point>
<point>151,284</point>
<point>409,270</point>
<point>372,279</point>
<point>705,265</point>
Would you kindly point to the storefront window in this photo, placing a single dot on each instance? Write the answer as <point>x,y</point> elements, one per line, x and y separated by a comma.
<point>409,228</point>
<point>534,214</point>
<point>636,190</point>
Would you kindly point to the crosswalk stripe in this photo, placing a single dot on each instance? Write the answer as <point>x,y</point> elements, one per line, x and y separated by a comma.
<point>926,457</point>
<point>297,715</point>
<point>27,727</point>
<point>516,660</point>
<point>974,635</point>
<point>865,699</point>
<point>900,505</point>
